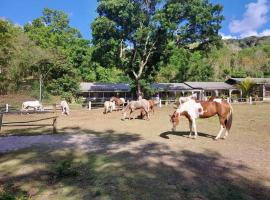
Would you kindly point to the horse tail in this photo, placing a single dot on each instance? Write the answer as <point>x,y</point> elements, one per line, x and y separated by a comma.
<point>229,118</point>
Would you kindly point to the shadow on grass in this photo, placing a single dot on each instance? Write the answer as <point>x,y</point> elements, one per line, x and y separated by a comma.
<point>184,134</point>
<point>115,165</point>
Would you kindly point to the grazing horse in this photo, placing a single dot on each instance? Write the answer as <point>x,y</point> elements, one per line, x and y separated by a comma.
<point>118,101</point>
<point>32,104</point>
<point>204,109</point>
<point>152,104</point>
<point>108,106</point>
<point>64,107</point>
<point>135,105</point>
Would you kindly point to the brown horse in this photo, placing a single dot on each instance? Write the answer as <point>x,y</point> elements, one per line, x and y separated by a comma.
<point>119,102</point>
<point>204,109</point>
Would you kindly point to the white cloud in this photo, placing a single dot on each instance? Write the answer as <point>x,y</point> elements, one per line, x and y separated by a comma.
<point>227,37</point>
<point>254,17</point>
<point>266,32</point>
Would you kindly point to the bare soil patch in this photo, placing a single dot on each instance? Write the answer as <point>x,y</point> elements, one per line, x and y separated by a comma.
<point>140,159</point>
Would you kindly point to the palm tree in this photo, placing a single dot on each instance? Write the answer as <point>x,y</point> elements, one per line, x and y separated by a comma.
<point>246,86</point>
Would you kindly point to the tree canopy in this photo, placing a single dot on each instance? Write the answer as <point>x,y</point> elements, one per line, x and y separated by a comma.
<point>134,41</point>
<point>136,33</point>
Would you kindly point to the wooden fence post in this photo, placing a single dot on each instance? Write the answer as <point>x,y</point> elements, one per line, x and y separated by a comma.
<point>160,104</point>
<point>54,125</point>
<point>54,108</point>
<point>1,120</point>
<point>89,105</point>
<point>6,107</point>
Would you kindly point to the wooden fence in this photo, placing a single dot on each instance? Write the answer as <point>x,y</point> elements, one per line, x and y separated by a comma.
<point>30,122</point>
<point>8,109</point>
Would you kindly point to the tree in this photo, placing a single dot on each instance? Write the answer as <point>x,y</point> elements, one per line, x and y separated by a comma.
<point>135,33</point>
<point>246,86</point>
<point>70,52</point>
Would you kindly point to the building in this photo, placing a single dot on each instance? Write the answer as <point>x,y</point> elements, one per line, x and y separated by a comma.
<point>103,91</point>
<point>201,89</point>
<point>171,90</point>
<point>208,89</point>
<point>261,89</point>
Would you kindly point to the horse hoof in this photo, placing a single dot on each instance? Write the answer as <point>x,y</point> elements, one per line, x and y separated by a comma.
<point>216,139</point>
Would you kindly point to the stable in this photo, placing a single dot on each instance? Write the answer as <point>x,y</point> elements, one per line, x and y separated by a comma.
<point>103,91</point>
<point>261,89</point>
<point>172,90</point>
<point>208,89</point>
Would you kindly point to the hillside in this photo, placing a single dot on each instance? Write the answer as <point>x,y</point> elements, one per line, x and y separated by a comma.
<point>242,57</point>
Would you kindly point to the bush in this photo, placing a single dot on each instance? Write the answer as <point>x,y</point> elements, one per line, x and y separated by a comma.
<point>64,169</point>
<point>9,192</point>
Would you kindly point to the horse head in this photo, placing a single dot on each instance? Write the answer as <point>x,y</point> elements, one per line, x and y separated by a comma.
<point>174,119</point>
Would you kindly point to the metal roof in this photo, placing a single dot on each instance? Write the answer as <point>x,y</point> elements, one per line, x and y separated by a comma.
<point>210,85</point>
<point>256,80</point>
<point>104,87</point>
<point>170,86</point>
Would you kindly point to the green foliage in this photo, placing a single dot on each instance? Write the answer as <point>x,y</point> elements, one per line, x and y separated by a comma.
<point>9,192</point>
<point>64,169</point>
<point>185,65</point>
<point>246,86</point>
<point>135,34</point>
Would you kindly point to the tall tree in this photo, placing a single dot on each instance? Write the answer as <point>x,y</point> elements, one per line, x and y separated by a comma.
<point>135,33</point>
<point>70,51</point>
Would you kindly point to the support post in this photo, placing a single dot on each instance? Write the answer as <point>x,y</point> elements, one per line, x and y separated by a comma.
<point>159,103</point>
<point>250,100</point>
<point>216,93</point>
<point>89,105</point>
<point>1,120</point>
<point>6,108</point>
<point>54,108</point>
<point>264,92</point>
<point>54,125</point>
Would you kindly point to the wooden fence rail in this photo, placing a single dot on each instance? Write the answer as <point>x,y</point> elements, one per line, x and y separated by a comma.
<point>28,123</point>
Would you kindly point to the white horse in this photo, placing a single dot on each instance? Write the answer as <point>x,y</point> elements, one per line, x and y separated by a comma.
<point>185,99</point>
<point>64,107</point>
<point>109,106</point>
<point>32,104</point>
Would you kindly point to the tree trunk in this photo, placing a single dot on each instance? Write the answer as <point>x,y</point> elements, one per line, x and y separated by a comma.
<point>139,91</point>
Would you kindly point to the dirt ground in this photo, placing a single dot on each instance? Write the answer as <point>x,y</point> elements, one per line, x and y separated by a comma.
<point>140,159</point>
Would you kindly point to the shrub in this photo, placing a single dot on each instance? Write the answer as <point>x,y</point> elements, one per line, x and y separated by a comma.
<point>64,169</point>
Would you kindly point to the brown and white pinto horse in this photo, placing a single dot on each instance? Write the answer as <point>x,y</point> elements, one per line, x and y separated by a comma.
<point>204,109</point>
<point>135,105</point>
<point>119,102</point>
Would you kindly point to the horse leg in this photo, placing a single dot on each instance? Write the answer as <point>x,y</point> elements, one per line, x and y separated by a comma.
<point>190,127</point>
<point>130,114</point>
<point>147,114</point>
<point>226,134</point>
<point>195,128</point>
<point>222,127</point>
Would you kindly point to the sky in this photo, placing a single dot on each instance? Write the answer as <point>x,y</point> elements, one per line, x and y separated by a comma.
<point>243,18</point>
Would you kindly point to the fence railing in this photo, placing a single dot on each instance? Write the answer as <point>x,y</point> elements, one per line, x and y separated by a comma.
<point>30,123</point>
<point>9,109</point>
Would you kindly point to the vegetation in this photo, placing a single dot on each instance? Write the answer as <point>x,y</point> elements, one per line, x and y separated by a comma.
<point>138,42</point>
<point>246,86</point>
<point>137,34</point>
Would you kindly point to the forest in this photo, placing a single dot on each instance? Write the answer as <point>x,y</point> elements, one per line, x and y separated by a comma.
<point>136,42</point>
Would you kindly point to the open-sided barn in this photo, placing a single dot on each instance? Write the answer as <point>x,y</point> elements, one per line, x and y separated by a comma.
<point>103,91</point>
